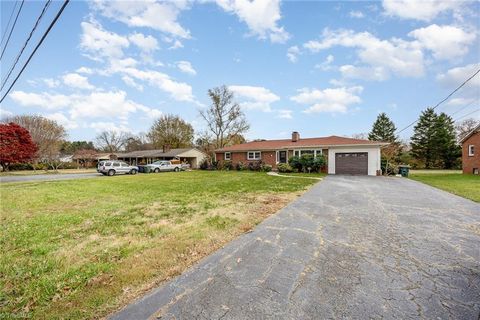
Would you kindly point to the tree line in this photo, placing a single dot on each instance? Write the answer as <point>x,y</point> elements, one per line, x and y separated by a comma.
<point>434,143</point>
<point>47,139</point>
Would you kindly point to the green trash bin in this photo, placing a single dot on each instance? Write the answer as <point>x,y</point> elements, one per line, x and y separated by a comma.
<point>403,170</point>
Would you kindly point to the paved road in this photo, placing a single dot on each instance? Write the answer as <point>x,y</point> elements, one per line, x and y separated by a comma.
<point>49,177</point>
<point>351,247</point>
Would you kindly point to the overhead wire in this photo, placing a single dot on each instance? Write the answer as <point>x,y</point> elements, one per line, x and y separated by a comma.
<point>59,13</point>
<point>45,7</point>
<point>11,30</point>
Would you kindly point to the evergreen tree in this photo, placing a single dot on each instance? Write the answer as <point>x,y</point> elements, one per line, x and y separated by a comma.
<point>423,139</point>
<point>383,129</point>
<point>445,141</point>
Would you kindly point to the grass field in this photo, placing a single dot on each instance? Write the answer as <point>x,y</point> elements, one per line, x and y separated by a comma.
<point>35,172</point>
<point>464,185</point>
<point>81,249</point>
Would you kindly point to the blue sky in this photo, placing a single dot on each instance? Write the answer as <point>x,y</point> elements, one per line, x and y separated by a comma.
<point>321,68</point>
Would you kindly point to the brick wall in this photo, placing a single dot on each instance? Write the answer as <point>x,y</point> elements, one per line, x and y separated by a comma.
<point>469,162</point>
<point>267,157</point>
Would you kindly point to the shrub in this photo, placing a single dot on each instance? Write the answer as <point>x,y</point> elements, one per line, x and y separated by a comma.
<point>284,167</point>
<point>307,163</point>
<point>20,166</point>
<point>227,165</point>
<point>240,166</point>
<point>255,165</point>
<point>266,168</point>
<point>204,165</point>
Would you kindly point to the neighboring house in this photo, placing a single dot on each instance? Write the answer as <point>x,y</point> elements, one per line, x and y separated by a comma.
<point>471,151</point>
<point>89,158</point>
<point>191,156</point>
<point>344,155</point>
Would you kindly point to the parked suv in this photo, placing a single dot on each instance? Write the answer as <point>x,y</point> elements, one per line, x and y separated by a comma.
<point>113,167</point>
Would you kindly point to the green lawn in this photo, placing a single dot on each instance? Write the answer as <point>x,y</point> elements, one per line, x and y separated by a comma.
<point>81,249</point>
<point>300,174</point>
<point>464,185</point>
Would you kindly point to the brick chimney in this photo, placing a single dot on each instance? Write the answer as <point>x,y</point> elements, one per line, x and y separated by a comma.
<point>166,148</point>
<point>295,136</point>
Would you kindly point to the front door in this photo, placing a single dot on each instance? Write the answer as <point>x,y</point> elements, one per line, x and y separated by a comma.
<point>282,156</point>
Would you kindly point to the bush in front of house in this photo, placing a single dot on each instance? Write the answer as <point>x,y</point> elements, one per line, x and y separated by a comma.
<point>204,165</point>
<point>255,165</point>
<point>284,168</point>
<point>227,165</point>
<point>307,163</point>
<point>240,166</point>
<point>266,168</point>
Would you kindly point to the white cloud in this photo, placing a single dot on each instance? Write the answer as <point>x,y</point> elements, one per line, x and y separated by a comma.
<point>158,15</point>
<point>176,45</point>
<point>51,83</point>
<point>285,114</point>
<point>100,43</point>
<point>255,98</point>
<point>446,42</point>
<point>75,80</point>
<point>326,64</point>
<point>62,120</point>
<point>109,126</point>
<point>84,70</point>
<point>396,56</point>
<point>5,113</point>
<point>334,100</point>
<point>366,73</point>
<point>179,91</point>
<point>454,77</point>
<point>356,14</point>
<point>425,10</point>
<point>186,67</point>
<point>44,100</point>
<point>109,104</point>
<point>147,44</point>
<point>261,17</point>
<point>293,53</point>
<point>131,83</point>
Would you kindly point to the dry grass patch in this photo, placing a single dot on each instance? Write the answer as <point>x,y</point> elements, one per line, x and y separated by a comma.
<point>84,248</point>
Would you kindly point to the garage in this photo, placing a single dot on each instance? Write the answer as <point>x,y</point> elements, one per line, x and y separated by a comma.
<point>351,163</point>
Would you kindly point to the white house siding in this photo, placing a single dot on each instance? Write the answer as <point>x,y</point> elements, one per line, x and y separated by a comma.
<point>373,157</point>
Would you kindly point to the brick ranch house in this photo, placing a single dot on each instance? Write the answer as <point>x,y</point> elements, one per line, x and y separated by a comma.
<point>471,152</point>
<point>344,155</point>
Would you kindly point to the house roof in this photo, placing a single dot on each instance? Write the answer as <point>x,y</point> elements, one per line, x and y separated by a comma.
<point>468,135</point>
<point>330,141</point>
<point>157,153</point>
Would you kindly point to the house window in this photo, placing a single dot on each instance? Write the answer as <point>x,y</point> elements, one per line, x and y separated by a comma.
<point>228,156</point>
<point>471,150</point>
<point>299,153</point>
<point>254,155</point>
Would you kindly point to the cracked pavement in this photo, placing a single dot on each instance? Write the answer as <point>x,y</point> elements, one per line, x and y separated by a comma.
<point>350,247</point>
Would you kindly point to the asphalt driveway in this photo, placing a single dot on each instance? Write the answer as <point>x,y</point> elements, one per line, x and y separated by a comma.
<point>49,177</point>
<point>351,247</point>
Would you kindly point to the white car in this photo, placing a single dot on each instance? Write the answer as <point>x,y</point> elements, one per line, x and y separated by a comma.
<point>164,165</point>
<point>113,167</point>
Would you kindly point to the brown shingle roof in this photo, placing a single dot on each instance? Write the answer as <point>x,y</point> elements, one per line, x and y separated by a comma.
<point>301,143</point>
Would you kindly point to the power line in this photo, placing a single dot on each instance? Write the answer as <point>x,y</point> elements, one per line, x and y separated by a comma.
<point>465,107</point>
<point>11,30</point>
<point>8,24</point>
<point>445,99</point>
<point>45,7</point>
<point>36,48</point>
<point>466,115</point>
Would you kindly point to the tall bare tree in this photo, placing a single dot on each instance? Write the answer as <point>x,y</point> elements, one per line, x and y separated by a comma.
<point>111,141</point>
<point>224,117</point>
<point>171,130</point>
<point>464,127</point>
<point>47,134</point>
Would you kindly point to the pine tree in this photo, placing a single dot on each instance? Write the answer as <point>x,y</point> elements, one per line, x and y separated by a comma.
<point>423,139</point>
<point>445,141</point>
<point>383,129</point>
